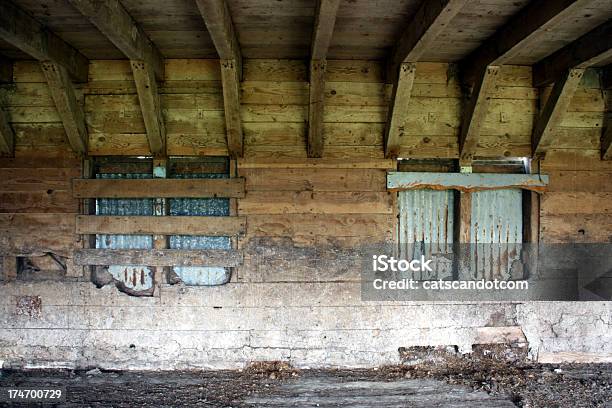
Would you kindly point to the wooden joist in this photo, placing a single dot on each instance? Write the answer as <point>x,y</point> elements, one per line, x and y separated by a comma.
<point>7,136</point>
<point>18,28</point>
<point>521,32</point>
<point>218,20</point>
<point>474,113</point>
<point>161,188</point>
<point>398,110</point>
<point>556,105</point>
<point>68,108</point>
<point>158,257</point>
<point>111,18</point>
<point>325,19</point>
<point>590,49</point>
<point>425,26</point>
<point>160,225</point>
<point>465,182</point>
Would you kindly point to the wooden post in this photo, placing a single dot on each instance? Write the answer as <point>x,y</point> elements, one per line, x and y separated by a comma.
<point>315,108</point>
<point>160,209</point>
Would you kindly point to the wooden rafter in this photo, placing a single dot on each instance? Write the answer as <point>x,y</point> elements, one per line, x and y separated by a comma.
<point>218,21</point>
<point>522,31</point>
<point>22,31</point>
<point>113,20</point>
<point>475,112</point>
<point>68,108</point>
<point>422,30</point>
<point>325,19</point>
<point>399,108</point>
<point>590,49</point>
<point>556,105</point>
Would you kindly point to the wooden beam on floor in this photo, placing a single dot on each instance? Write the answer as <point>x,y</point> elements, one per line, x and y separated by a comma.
<point>325,20</point>
<point>521,32</point>
<point>552,112</point>
<point>22,31</point>
<point>68,108</point>
<point>113,20</point>
<point>475,112</point>
<point>398,110</point>
<point>428,22</point>
<point>218,21</point>
<point>590,49</point>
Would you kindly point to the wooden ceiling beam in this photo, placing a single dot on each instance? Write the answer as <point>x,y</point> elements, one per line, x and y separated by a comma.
<point>522,31</point>
<point>431,18</point>
<point>18,28</point>
<point>218,21</point>
<point>398,110</point>
<point>592,48</point>
<point>113,20</point>
<point>325,20</point>
<point>552,113</point>
<point>68,108</point>
<point>7,136</point>
<point>475,112</point>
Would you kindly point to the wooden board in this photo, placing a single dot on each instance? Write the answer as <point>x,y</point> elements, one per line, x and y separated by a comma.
<point>162,188</point>
<point>158,257</point>
<point>467,182</point>
<point>167,225</point>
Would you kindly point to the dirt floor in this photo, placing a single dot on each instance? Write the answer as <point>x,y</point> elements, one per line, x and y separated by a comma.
<point>462,382</point>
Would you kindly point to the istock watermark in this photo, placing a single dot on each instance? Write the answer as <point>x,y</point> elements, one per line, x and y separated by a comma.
<point>383,263</point>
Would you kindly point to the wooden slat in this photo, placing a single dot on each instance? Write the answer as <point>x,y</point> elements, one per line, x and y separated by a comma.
<point>163,188</point>
<point>18,28</point>
<point>315,108</point>
<point>425,26</point>
<point>475,112</point>
<point>521,32</point>
<point>166,225</point>
<point>230,77</point>
<point>158,257</point>
<point>590,49</point>
<point>398,111</point>
<point>556,105</point>
<point>325,19</point>
<point>68,108</point>
<point>112,19</point>
<point>466,182</point>
<point>150,106</point>
<point>7,135</point>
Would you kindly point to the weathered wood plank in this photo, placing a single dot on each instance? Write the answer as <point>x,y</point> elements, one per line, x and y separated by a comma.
<point>316,163</point>
<point>397,115</point>
<point>166,225</point>
<point>590,49</point>
<point>425,26</point>
<point>475,113</point>
<point>18,28</point>
<point>325,20</point>
<point>554,109</point>
<point>150,106</point>
<point>164,188</point>
<point>113,20</point>
<point>68,108</point>
<point>466,182</point>
<point>522,31</point>
<point>218,20</point>
<point>158,257</point>
<point>37,233</point>
<point>315,108</point>
<point>230,76</point>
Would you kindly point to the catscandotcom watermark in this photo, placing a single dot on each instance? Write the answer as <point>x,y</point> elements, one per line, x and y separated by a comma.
<point>481,284</point>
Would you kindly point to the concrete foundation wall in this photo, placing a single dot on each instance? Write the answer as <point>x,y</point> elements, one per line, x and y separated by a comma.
<point>306,324</point>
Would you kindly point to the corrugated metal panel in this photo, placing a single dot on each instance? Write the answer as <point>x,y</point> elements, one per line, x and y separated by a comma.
<point>497,232</point>
<point>426,228</point>
<point>138,277</point>
<point>204,276</point>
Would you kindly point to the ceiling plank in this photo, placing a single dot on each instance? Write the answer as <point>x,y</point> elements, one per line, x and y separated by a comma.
<point>150,106</point>
<point>590,49</point>
<point>230,77</point>
<point>218,21</point>
<point>113,20</point>
<point>475,113</point>
<point>18,28</point>
<point>68,108</point>
<point>428,22</point>
<point>552,113</point>
<point>325,20</point>
<point>522,31</point>
<point>398,111</point>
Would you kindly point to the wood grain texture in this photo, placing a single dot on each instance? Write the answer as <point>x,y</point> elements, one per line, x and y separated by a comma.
<point>230,76</point>
<point>150,106</point>
<point>316,105</point>
<point>160,225</point>
<point>158,257</point>
<point>397,115</point>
